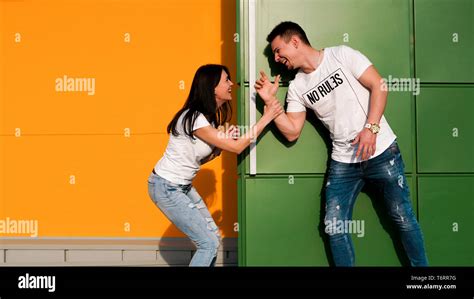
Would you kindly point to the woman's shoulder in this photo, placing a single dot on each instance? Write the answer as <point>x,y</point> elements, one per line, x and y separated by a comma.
<point>201,121</point>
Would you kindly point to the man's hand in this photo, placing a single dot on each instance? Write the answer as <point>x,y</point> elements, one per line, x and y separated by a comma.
<point>266,90</point>
<point>367,142</point>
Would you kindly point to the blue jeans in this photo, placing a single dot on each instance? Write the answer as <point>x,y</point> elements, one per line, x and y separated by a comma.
<point>185,208</point>
<point>345,181</point>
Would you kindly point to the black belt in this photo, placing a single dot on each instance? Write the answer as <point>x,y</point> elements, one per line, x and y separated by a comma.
<point>154,171</point>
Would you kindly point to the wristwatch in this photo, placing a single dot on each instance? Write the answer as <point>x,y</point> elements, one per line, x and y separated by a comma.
<point>374,128</point>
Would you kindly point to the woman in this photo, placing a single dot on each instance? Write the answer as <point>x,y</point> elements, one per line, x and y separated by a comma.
<point>194,140</point>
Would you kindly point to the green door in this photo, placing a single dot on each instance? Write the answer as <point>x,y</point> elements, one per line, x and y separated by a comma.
<point>447,218</point>
<point>445,129</point>
<point>444,40</point>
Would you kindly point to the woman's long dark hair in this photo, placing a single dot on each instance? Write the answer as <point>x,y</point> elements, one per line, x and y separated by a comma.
<point>202,99</point>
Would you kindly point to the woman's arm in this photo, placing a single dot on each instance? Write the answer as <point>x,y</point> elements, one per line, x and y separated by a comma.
<point>228,143</point>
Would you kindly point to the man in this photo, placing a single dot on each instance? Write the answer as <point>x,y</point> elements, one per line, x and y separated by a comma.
<point>346,93</point>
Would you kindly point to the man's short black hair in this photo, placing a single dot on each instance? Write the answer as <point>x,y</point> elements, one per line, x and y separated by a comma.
<point>286,30</point>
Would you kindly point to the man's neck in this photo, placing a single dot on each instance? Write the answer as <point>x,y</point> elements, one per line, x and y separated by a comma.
<point>311,58</point>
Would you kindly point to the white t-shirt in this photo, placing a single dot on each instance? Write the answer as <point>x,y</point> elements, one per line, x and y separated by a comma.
<point>182,158</point>
<point>339,100</point>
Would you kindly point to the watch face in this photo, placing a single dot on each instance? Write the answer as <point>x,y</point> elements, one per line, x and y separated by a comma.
<point>374,128</point>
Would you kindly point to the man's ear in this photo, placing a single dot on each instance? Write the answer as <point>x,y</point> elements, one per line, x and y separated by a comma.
<point>295,41</point>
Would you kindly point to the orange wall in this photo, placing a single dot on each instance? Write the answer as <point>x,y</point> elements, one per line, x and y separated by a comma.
<point>80,137</point>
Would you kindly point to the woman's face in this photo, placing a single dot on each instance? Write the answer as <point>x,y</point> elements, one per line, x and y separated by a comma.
<point>223,90</point>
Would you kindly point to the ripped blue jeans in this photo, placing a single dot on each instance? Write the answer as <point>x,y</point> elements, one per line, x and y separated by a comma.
<point>185,208</point>
<point>345,181</point>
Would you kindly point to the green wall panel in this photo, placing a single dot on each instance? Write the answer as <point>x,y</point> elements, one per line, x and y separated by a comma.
<point>445,129</point>
<point>282,221</point>
<point>444,40</point>
<point>447,219</point>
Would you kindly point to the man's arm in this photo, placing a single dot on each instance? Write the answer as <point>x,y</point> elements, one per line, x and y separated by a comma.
<point>290,124</point>
<point>372,80</point>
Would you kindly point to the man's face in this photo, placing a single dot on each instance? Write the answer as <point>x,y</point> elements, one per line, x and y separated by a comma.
<point>285,52</point>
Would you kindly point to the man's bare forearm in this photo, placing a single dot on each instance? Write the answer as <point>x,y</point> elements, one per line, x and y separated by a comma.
<point>286,126</point>
<point>378,101</point>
